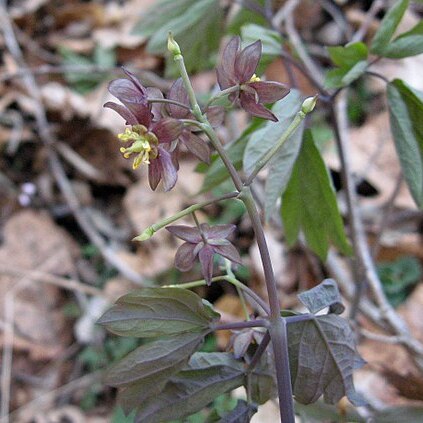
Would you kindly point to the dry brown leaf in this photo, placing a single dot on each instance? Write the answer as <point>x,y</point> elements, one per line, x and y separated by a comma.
<point>373,157</point>
<point>33,241</point>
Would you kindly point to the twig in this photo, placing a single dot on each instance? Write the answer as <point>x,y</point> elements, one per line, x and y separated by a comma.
<point>394,340</point>
<point>48,140</point>
<point>78,162</point>
<point>31,407</point>
<point>282,14</point>
<point>313,71</point>
<point>338,17</point>
<point>361,247</point>
<point>376,6</point>
<point>44,277</point>
<point>146,77</point>
<point>386,215</point>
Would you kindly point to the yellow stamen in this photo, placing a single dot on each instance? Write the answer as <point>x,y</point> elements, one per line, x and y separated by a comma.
<point>254,78</point>
<point>143,142</point>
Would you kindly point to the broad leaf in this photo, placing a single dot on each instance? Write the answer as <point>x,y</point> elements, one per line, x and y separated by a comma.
<point>326,294</point>
<point>309,203</point>
<point>264,138</point>
<point>262,382</point>
<point>242,413</point>
<point>153,312</point>
<point>351,62</point>
<point>156,361</point>
<point>406,111</point>
<point>322,358</point>
<point>206,376</point>
<point>196,25</point>
<point>271,40</point>
<point>388,26</point>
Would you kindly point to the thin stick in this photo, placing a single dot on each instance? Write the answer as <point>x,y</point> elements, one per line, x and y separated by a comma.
<point>44,277</point>
<point>386,215</point>
<point>361,247</point>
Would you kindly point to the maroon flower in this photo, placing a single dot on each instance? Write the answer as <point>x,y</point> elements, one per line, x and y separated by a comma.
<point>237,69</point>
<point>189,136</point>
<point>203,242</point>
<point>149,133</point>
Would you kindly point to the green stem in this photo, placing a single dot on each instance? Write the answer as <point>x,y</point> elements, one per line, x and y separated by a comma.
<point>248,291</point>
<point>151,230</point>
<point>299,117</point>
<point>238,290</point>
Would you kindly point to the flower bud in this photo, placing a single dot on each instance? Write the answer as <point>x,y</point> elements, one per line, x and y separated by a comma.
<point>172,45</point>
<point>145,234</point>
<point>309,104</point>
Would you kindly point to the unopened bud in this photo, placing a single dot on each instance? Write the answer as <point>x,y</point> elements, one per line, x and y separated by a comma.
<point>172,45</point>
<point>309,104</point>
<point>146,234</point>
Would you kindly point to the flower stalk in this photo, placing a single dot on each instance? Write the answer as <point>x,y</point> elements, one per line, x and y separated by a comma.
<point>277,327</point>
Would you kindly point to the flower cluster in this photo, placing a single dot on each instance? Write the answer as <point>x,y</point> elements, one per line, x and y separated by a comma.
<point>204,242</point>
<point>156,130</point>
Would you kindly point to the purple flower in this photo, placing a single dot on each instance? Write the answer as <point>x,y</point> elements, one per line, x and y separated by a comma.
<point>237,69</point>
<point>149,134</point>
<point>192,141</point>
<point>203,242</point>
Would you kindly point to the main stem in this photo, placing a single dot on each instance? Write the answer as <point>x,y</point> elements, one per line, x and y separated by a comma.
<point>277,328</point>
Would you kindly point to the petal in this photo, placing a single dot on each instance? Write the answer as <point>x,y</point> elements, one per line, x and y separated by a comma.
<point>219,231</point>
<point>269,92</point>
<point>130,119</point>
<point>248,103</point>
<point>187,233</point>
<point>178,93</point>
<point>215,115</point>
<point>184,258</point>
<point>247,60</point>
<point>125,91</point>
<point>167,129</point>
<point>168,170</point>
<point>224,79</point>
<point>206,260</point>
<point>196,146</point>
<point>156,108</point>
<point>154,173</point>
<point>226,70</point>
<point>135,81</point>
<point>228,251</point>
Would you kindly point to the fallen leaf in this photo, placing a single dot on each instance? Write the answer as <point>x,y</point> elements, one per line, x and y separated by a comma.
<point>33,241</point>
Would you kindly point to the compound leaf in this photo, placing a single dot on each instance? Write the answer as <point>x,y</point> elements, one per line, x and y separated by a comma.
<point>154,312</point>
